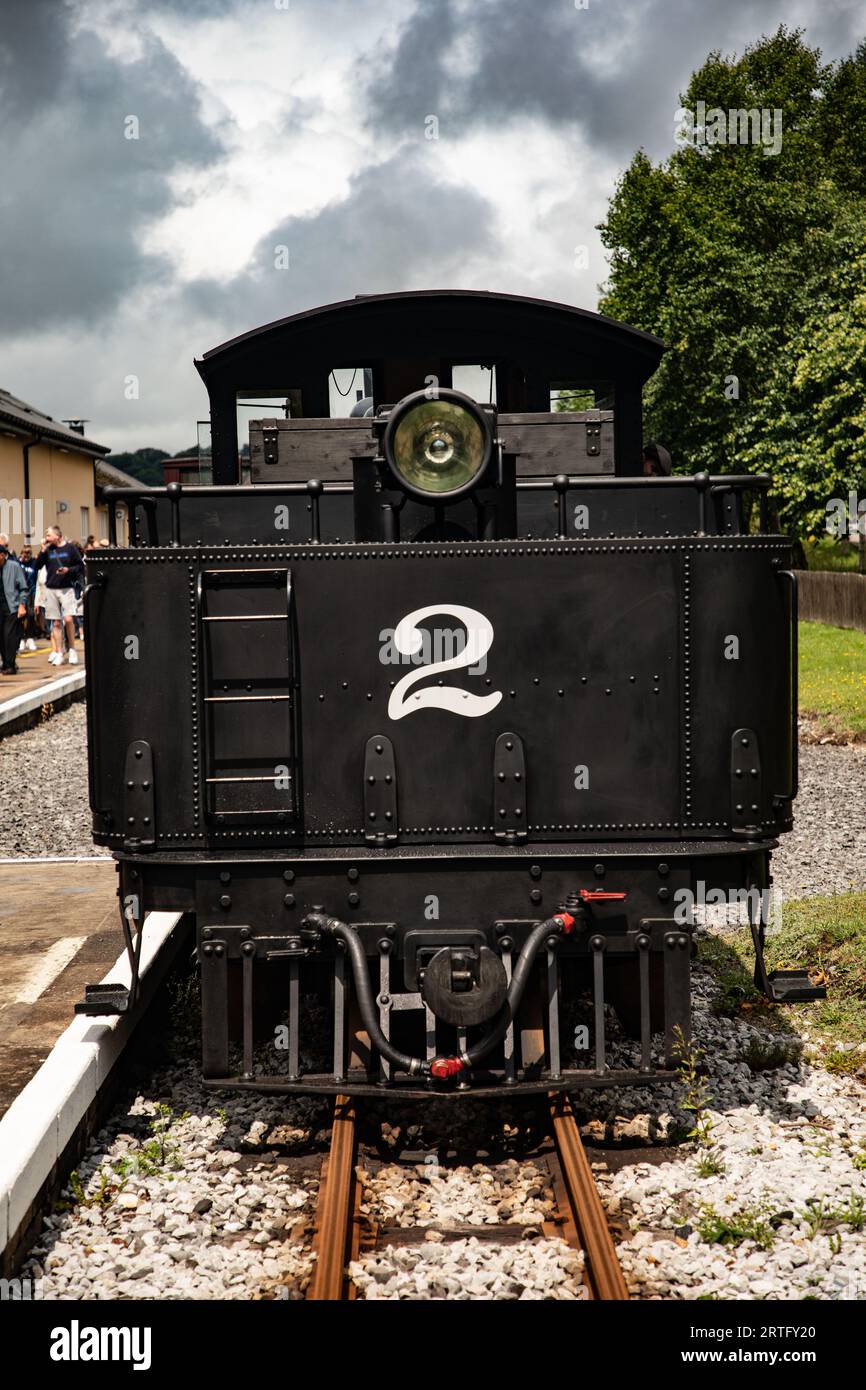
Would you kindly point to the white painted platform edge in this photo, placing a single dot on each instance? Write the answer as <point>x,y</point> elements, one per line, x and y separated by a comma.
<point>23,859</point>
<point>43,695</point>
<point>44,1116</point>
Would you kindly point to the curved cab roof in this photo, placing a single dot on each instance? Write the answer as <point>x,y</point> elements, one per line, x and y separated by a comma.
<point>425,303</point>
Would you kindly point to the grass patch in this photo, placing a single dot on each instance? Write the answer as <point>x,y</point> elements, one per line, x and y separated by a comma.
<point>769,1051</point>
<point>830,935</point>
<point>833,678</point>
<point>827,934</point>
<point>826,553</point>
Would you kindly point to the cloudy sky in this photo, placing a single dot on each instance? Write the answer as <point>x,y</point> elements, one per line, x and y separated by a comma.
<point>305,124</point>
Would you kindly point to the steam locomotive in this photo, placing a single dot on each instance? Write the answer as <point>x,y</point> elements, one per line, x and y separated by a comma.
<point>434,713</point>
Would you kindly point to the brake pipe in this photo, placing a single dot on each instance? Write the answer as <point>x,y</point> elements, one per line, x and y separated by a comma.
<point>442,1068</point>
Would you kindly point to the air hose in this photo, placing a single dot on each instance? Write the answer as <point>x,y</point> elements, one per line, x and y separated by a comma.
<point>439,1067</point>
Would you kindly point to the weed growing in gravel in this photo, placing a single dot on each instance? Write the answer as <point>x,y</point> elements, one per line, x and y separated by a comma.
<point>106,1190</point>
<point>156,1154</point>
<point>766,1051</point>
<point>732,1228</point>
<point>709,1165</point>
<point>151,1159</point>
<point>819,1217</point>
<point>695,1087</point>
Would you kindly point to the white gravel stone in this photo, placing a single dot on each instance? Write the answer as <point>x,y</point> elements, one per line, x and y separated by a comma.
<point>471,1269</point>
<point>184,1233</point>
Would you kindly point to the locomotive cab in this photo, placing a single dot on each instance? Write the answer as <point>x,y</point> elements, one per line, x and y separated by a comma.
<point>461,714</point>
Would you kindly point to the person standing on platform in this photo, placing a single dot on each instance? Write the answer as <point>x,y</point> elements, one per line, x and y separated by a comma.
<point>13,607</point>
<point>63,565</point>
<point>31,632</point>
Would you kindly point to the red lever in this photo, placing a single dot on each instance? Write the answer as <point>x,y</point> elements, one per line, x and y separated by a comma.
<point>597,895</point>
<point>443,1067</point>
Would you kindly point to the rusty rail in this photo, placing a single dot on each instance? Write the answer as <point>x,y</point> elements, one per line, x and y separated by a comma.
<point>581,1219</point>
<point>603,1273</point>
<point>335,1209</point>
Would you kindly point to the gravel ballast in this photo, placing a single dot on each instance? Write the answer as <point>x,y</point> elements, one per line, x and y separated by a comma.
<point>443,1201</point>
<point>789,1144</point>
<point>468,1269</point>
<point>227,1214</point>
<point>44,771</point>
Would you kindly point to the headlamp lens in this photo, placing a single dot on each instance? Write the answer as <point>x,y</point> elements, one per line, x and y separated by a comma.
<point>439,446</point>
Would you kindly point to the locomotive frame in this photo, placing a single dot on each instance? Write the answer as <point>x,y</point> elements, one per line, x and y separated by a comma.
<point>457,872</point>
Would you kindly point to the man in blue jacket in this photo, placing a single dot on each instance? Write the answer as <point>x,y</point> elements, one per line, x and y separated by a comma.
<point>13,607</point>
<point>63,565</point>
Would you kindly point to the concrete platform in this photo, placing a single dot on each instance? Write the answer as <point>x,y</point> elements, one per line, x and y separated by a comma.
<point>45,1129</point>
<point>38,687</point>
<point>59,930</point>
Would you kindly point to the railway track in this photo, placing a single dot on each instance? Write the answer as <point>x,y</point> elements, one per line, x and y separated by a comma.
<point>343,1232</point>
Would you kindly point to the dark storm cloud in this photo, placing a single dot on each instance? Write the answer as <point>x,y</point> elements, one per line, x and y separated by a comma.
<point>32,45</point>
<point>76,195</point>
<point>398,227</point>
<point>558,63</point>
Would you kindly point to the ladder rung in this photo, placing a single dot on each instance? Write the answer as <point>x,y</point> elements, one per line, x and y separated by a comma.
<point>249,618</point>
<point>285,777</point>
<point>242,699</point>
<point>268,811</point>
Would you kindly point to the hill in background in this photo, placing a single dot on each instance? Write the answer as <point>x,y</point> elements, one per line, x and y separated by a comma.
<point>146,464</point>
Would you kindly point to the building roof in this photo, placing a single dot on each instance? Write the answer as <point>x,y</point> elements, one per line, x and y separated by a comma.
<point>22,416</point>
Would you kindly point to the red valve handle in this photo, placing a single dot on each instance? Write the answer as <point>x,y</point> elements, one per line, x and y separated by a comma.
<point>445,1067</point>
<point>597,895</point>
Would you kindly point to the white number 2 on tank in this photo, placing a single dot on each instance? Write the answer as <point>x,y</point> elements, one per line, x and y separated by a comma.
<point>409,640</point>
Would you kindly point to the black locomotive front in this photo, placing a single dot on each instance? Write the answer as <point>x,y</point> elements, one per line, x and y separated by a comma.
<point>441,750</point>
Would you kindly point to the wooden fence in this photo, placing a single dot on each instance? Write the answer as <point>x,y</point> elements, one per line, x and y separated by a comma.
<point>828,596</point>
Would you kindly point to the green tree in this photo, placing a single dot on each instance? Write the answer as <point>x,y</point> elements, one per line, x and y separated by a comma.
<point>746,264</point>
<point>143,464</point>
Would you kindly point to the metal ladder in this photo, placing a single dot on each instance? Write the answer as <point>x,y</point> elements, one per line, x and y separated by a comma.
<point>247,701</point>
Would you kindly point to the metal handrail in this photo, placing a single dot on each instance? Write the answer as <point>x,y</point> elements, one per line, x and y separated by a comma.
<point>791,578</point>
<point>705,484</point>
